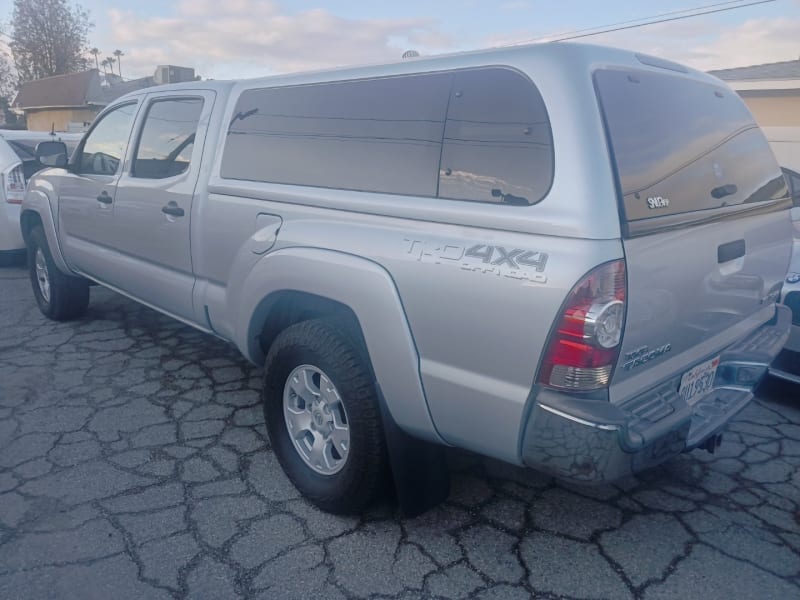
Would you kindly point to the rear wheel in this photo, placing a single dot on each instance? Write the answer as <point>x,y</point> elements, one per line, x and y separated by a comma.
<point>322,416</point>
<point>59,296</point>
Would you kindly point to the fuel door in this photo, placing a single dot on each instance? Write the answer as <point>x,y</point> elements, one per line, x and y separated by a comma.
<point>267,227</point>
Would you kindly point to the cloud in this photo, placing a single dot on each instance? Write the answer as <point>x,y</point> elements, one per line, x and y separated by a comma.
<point>702,43</point>
<point>238,38</point>
<point>515,5</point>
<point>755,42</point>
<point>249,38</point>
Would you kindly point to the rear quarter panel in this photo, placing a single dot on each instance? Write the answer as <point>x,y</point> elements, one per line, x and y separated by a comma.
<point>478,328</point>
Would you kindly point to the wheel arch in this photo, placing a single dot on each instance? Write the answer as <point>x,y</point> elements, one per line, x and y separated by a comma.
<point>28,219</point>
<point>284,308</point>
<point>330,283</point>
<point>35,211</point>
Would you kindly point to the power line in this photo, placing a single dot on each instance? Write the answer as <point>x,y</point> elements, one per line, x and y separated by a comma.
<point>697,14</point>
<point>658,16</point>
<point>651,20</point>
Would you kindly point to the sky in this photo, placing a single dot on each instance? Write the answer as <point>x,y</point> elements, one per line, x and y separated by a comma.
<point>223,39</point>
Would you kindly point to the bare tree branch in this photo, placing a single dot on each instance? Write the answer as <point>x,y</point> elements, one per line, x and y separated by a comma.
<point>49,37</point>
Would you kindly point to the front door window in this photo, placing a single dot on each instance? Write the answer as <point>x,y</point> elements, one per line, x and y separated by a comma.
<point>105,145</point>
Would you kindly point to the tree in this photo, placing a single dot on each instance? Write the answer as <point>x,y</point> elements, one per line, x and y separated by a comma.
<point>105,65</point>
<point>119,54</point>
<point>94,52</point>
<point>7,87</point>
<point>110,60</point>
<point>8,80</point>
<point>49,37</point>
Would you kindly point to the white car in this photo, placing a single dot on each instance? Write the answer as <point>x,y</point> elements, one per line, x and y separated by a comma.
<point>787,364</point>
<point>17,164</point>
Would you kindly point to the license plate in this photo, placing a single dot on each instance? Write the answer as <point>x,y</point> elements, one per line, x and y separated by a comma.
<point>697,382</point>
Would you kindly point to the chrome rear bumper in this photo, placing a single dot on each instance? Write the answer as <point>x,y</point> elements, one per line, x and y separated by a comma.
<point>593,441</point>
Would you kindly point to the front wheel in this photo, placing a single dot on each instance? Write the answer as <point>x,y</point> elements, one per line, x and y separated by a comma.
<point>323,418</point>
<point>59,296</point>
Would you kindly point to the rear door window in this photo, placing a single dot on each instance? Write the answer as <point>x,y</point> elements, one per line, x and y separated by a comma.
<point>167,138</point>
<point>682,145</point>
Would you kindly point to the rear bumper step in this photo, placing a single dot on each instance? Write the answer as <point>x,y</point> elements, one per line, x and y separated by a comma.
<point>593,441</point>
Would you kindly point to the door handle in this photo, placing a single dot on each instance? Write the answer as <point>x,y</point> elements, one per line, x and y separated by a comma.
<point>730,251</point>
<point>724,190</point>
<point>104,198</point>
<point>173,210</point>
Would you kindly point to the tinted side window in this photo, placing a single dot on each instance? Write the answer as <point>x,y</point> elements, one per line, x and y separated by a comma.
<point>381,135</point>
<point>105,145</point>
<point>167,139</point>
<point>497,143</point>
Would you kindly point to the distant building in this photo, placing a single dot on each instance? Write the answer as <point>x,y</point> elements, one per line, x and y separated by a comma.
<point>71,102</point>
<point>771,91</point>
<point>172,74</point>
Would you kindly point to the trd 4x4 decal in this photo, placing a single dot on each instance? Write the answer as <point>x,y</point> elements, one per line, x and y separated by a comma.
<point>514,263</point>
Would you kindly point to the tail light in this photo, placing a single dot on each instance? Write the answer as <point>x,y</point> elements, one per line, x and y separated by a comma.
<point>14,184</point>
<point>583,349</point>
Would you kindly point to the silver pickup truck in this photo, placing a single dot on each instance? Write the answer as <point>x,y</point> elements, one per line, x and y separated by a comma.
<point>560,256</point>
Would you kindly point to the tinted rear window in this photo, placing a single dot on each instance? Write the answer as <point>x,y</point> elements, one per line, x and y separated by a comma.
<point>477,134</point>
<point>682,145</point>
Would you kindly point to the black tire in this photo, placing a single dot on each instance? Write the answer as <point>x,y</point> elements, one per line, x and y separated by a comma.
<point>69,296</point>
<point>321,344</point>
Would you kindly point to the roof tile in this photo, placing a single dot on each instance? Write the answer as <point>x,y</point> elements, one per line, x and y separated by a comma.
<point>789,69</point>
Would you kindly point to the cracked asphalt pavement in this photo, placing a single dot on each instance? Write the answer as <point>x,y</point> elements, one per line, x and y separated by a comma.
<point>134,464</point>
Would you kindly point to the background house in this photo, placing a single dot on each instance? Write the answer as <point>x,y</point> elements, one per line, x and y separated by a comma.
<point>71,102</point>
<point>56,102</point>
<point>772,93</point>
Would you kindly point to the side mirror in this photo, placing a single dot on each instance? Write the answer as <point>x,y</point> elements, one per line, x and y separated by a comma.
<point>52,154</point>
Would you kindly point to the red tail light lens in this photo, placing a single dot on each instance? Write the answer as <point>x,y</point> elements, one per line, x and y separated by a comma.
<point>584,347</point>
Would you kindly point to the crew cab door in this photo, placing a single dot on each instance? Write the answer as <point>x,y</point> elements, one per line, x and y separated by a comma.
<point>86,194</point>
<point>151,224</point>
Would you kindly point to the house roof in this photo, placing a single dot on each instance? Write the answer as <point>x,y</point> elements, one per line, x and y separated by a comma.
<point>73,89</point>
<point>789,69</point>
<point>120,88</point>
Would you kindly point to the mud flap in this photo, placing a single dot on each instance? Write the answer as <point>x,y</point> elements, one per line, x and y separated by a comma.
<point>419,468</point>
